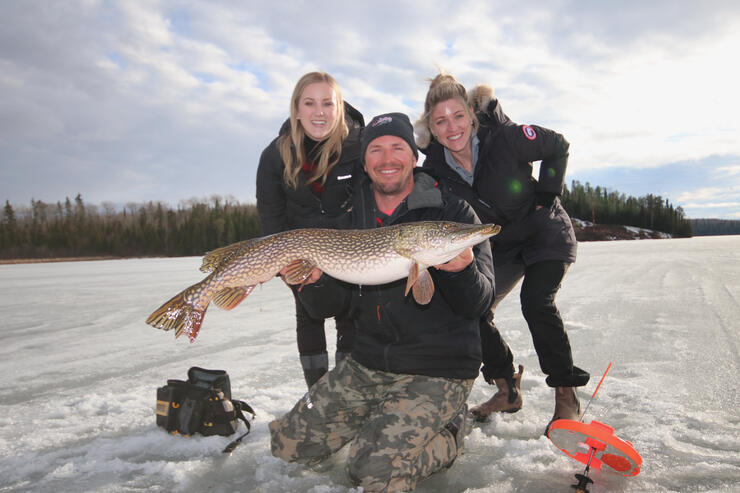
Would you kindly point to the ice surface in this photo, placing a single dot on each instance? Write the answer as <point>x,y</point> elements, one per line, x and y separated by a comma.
<point>80,369</point>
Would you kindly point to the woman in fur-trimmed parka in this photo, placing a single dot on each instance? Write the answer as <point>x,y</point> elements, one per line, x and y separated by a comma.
<point>304,181</point>
<point>480,155</point>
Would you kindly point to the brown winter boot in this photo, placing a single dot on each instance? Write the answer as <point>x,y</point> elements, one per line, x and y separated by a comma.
<point>508,398</point>
<point>567,405</point>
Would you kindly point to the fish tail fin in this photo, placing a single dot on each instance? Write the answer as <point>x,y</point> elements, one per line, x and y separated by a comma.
<point>229,298</point>
<point>178,314</point>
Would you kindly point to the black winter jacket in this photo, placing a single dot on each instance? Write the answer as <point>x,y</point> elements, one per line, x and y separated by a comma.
<point>396,334</point>
<point>281,207</point>
<point>505,192</point>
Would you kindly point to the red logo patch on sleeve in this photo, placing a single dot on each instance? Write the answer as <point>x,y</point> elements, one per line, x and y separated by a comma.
<point>529,132</point>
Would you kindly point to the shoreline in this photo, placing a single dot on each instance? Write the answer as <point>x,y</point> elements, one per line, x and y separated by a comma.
<point>10,261</point>
<point>585,232</point>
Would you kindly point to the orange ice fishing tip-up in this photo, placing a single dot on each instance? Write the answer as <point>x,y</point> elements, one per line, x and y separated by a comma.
<point>595,445</point>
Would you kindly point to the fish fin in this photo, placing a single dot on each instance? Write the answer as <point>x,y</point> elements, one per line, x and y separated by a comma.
<point>298,271</point>
<point>229,298</point>
<point>178,314</point>
<point>216,258</point>
<point>417,274</point>
<point>413,276</point>
<point>423,288</point>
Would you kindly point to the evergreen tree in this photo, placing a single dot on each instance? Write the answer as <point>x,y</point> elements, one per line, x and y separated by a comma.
<point>599,205</point>
<point>73,228</point>
<point>8,227</point>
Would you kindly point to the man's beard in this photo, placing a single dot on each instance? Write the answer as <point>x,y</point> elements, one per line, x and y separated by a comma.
<point>396,187</point>
<point>390,188</point>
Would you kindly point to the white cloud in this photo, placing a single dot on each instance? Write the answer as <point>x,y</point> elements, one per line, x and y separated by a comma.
<point>728,171</point>
<point>149,86</point>
<point>709,193</point>
<point>712,205</point>
<point>648,106</point>
<point>723,201</point>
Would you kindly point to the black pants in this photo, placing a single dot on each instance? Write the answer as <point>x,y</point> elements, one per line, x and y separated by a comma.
<point>311,335</point>
<point>539,288</point>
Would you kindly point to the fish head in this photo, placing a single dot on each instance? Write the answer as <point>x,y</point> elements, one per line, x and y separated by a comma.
<point>436,242</point>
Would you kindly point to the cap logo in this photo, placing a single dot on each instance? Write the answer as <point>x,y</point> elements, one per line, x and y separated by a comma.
<point>382,120</point>
<point>529,132</point>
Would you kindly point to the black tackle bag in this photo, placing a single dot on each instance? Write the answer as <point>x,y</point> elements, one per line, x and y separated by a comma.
<point>202,404</point>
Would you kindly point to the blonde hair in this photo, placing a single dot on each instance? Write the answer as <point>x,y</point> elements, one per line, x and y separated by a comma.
<point>292,150</point>
<point>443,87</point>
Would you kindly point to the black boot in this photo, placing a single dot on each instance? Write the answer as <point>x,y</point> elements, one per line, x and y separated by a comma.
<point>314,367</point>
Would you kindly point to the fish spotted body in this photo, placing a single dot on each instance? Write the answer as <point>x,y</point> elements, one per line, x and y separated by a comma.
<point>366,256</point>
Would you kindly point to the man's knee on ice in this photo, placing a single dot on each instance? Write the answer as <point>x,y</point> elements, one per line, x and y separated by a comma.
<point>282,447</point>
<point>294,446</point>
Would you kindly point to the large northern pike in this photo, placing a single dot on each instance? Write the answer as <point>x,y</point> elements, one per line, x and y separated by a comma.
<point>360,256</point>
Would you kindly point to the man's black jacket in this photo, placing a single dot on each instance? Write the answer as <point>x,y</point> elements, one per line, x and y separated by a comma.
<point>396,334</point>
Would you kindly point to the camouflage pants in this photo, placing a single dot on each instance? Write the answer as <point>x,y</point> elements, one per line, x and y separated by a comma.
<point>396,421</point>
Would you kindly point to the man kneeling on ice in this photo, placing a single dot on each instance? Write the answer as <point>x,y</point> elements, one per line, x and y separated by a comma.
<point>400,399</point>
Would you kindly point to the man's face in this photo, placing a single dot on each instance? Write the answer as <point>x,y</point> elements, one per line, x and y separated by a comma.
<point>389,161</point>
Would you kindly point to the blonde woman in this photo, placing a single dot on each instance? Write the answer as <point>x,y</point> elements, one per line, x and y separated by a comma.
<point>304,181</point>
<point>482,156</point>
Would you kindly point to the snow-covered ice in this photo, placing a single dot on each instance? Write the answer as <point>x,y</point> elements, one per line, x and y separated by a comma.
<point>80,370</point>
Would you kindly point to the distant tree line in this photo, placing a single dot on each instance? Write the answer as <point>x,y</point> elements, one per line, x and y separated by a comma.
<point>76,229</point>
<point>708,227</point>
<point>604,206</point>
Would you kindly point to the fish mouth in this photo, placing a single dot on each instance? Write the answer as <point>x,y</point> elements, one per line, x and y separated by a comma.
<point>467,234</point>
<point>485,231</point>
<point>491,229</point>
<point>470,230</point>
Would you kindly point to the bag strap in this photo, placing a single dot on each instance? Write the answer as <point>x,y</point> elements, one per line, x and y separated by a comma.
<point>239,407</point>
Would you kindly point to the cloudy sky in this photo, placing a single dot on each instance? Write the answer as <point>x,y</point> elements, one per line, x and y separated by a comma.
<point>132,101</point>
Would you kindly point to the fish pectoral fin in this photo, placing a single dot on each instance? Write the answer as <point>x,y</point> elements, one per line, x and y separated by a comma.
<point>229,298</point>
<point>413,271</point>
<point>423,288</point>
<point>420,283</point>
<point>413,276</point>
<point>219,256</point>
<point>298,271</point>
